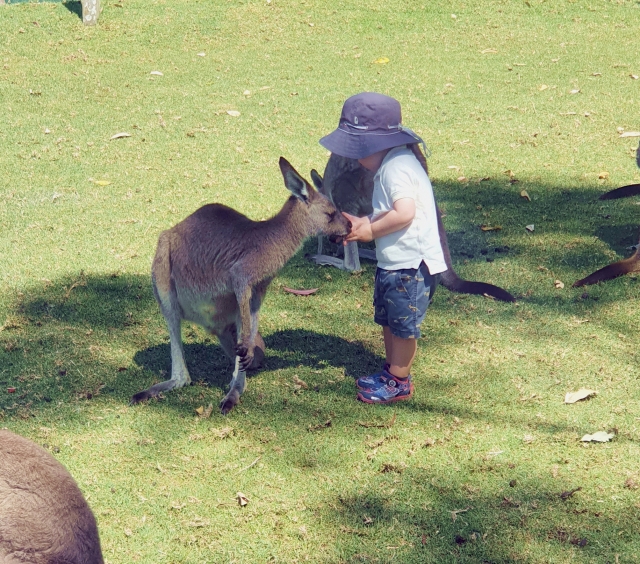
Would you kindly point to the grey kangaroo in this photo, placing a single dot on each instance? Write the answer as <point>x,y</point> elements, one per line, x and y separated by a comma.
<point>349,186</point>
<point>44,519</point>
<point>214,267</point>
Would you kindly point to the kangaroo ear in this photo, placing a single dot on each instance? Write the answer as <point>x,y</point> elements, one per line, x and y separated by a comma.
<point>317,179</point>
<point>297,185</point>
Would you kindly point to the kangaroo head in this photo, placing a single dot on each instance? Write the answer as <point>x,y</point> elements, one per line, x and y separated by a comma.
<point>322,215</point>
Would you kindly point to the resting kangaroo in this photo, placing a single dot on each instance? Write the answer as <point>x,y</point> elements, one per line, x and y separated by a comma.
<point>44,519</point>
<point>214,267</point>
<point>350,186</point>
<point>625,266</point>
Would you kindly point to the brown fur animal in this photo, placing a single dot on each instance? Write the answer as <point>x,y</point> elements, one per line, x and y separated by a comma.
<point>350,187</point>
<point>214,267</point>
<point>625,266</point>
<point>44,519</point>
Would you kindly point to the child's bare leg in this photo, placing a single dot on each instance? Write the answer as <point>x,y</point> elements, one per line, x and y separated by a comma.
<point>400,353</point>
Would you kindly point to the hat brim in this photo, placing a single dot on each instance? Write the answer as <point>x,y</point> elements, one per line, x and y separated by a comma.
<point>359,146</point>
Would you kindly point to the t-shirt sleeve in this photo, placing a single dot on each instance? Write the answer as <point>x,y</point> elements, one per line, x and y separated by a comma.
<point>401,183</point>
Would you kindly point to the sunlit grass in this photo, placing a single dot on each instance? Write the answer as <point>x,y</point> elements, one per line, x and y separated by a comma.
<point>509,96</point>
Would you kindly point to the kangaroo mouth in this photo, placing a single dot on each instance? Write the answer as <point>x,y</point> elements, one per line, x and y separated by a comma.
<point>337,239</point>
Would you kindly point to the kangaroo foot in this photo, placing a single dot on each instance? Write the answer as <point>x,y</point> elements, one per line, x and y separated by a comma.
<point>229,401</point>
<point>154,391</point>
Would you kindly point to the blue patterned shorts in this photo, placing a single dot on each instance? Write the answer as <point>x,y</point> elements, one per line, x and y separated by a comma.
<point>401,299</point>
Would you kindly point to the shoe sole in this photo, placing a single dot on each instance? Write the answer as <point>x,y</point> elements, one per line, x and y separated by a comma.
<point>369,390</point>
<point>390,400</point>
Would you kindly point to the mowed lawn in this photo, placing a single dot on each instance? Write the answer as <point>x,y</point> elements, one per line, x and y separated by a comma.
<point>485,464</point>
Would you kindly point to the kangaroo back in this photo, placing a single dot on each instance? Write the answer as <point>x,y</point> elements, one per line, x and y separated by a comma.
<point>44,519</point>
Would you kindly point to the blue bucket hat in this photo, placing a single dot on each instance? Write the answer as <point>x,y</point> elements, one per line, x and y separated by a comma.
<point>370,122</point>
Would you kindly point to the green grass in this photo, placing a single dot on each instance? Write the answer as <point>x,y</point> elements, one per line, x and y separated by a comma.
<point>490,91</point>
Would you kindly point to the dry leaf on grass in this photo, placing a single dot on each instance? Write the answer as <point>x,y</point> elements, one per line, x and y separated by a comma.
<point>156,73</point>
<point>242,499</point>
<point>630,134</point>
<point>120,135</point>
<point>529,228</point>
<point>582,393</point>
<point>390,467</point>
<point>222,433</point>
<point>603,175</point>
<point>559,284</point>
<point>568,494</point>
<point>524,194</point>
<point>233,113</point>
<point>599,437</point>
<point>300,292</point>
<point>204,413</point>
<point>300,382</point>
<point>324,425</point>
<point>381,61</point>
<point>490,227</point>
<point>454,513</point>
<point>102,182</point>
<point>378,425</point>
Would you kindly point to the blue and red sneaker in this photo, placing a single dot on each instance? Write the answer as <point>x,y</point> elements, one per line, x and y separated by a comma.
<point>394,389</point>
<point>375,380</point>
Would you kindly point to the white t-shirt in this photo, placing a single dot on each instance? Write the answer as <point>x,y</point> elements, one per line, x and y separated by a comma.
<point>401,176</point>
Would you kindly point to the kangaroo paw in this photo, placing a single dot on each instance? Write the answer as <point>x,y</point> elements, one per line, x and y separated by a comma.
<point>246,357</point>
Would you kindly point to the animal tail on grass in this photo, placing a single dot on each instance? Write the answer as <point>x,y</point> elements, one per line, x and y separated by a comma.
<point>611,271</point>
<point>623,192</point>
<point>449,279</point>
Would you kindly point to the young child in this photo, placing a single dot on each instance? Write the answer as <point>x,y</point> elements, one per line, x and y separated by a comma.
<point>404,224</point>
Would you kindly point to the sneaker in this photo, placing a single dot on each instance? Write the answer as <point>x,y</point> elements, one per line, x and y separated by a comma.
<point>374,381</point>
<point>395,389</point>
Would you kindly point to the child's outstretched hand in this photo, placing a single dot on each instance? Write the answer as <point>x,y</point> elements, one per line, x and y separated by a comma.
<point>360,229</point>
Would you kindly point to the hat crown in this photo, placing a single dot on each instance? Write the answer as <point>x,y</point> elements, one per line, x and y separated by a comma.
<point>369,112</point>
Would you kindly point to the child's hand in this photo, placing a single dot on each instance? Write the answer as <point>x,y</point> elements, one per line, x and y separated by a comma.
<point>360,229</point>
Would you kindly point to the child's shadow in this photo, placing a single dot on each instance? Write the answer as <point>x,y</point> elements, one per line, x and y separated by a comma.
<point>285,349</point>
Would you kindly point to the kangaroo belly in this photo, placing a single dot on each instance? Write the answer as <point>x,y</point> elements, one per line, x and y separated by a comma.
<point>213,313</point>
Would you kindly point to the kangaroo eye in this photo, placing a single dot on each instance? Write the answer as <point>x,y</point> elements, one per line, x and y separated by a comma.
<point>331,215</point>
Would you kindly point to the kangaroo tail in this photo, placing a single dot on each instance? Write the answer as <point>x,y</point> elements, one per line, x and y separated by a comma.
<point>611,271</point>
<point>452,282</point>
<point>449,279</point>
<point>623,192</point>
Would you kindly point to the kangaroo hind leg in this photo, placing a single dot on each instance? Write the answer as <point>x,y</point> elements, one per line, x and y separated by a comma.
<point>228,342</point>
<point>165,294</point>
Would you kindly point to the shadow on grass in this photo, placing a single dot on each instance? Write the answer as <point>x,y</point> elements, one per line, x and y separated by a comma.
<point>74,6</point>
<point>529,519</point>
<point>91,334</point>
<point>285,349</point>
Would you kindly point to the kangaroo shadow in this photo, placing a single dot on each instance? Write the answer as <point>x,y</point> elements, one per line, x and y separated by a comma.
<point>208,363</point>
<point>618,237</point>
